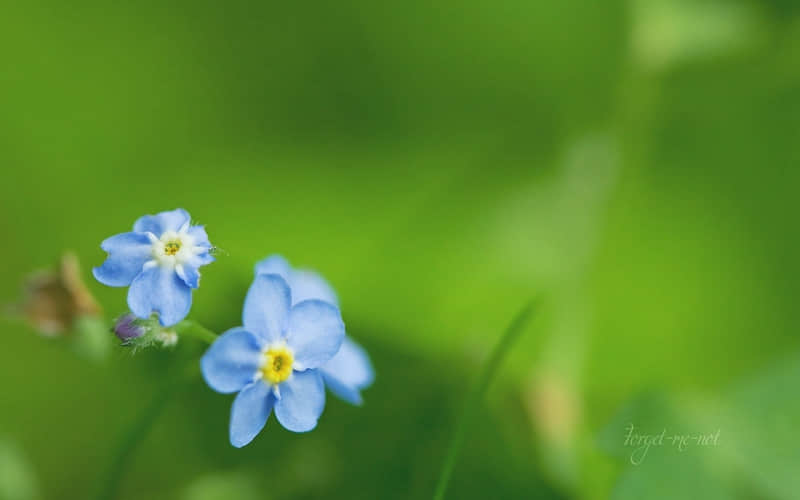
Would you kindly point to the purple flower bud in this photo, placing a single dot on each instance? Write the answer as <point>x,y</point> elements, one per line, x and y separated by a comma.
<point>128,328</point>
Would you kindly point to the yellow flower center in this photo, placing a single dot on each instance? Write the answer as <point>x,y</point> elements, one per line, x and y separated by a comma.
<point>172,247</point>
<point>277,364</point>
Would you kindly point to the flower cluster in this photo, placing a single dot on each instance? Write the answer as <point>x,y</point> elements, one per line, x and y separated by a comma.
<point>292,341</point>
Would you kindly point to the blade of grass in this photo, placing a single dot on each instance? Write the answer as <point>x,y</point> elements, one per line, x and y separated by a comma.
<point>479,386</point>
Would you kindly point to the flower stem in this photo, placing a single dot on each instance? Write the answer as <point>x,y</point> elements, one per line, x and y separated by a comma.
<point>194,329</point>
<point>134,435</point>
<point>476,394</point>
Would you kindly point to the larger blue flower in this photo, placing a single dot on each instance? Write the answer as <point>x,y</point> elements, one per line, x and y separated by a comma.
<point>271,361</point>
<point>350,370</point>
<point>159,260</point>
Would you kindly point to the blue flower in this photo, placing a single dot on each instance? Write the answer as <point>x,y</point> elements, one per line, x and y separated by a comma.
<point>350,370</point>
<point>272,360</point>
<point>159,260</point>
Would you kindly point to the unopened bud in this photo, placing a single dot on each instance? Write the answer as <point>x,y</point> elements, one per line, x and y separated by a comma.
<point>129,327</point>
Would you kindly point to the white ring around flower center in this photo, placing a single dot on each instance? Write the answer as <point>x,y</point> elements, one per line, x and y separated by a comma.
<point>173,248</point>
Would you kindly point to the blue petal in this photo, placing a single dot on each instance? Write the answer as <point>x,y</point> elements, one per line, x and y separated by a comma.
<point>200,236</point>
<point>232,361</point>
<point>159,289</point>
<point>302,401</point>
<point>307,285</point>
<point>249,412</point>
<point>348,371</point>
<point>266,307</point>
<point>345,392</point>
<point>201,259</point>
<point>189,274</point>
<point>127,254</point>
<point>274,264</point>
<point>315,332</point>
<point>164,221</point>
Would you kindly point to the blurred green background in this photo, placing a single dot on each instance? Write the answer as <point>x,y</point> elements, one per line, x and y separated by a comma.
<point>633,163</point>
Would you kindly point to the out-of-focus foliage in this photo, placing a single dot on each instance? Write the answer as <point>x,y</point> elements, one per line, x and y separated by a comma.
<point>17,478</point>
<point>633,162</point>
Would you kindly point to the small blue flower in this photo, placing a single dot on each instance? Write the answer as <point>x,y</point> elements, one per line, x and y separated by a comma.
<point>159,260</point>
<point>350,370</point>
<point>272,360</point>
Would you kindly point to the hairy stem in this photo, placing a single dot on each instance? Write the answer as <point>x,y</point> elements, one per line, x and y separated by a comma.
<point>479,386</point>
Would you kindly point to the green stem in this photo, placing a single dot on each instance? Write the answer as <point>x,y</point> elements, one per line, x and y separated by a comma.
<point>476,394</point>
<point>133,436</point>
<point>194,329</point>
<point>140,427</point>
